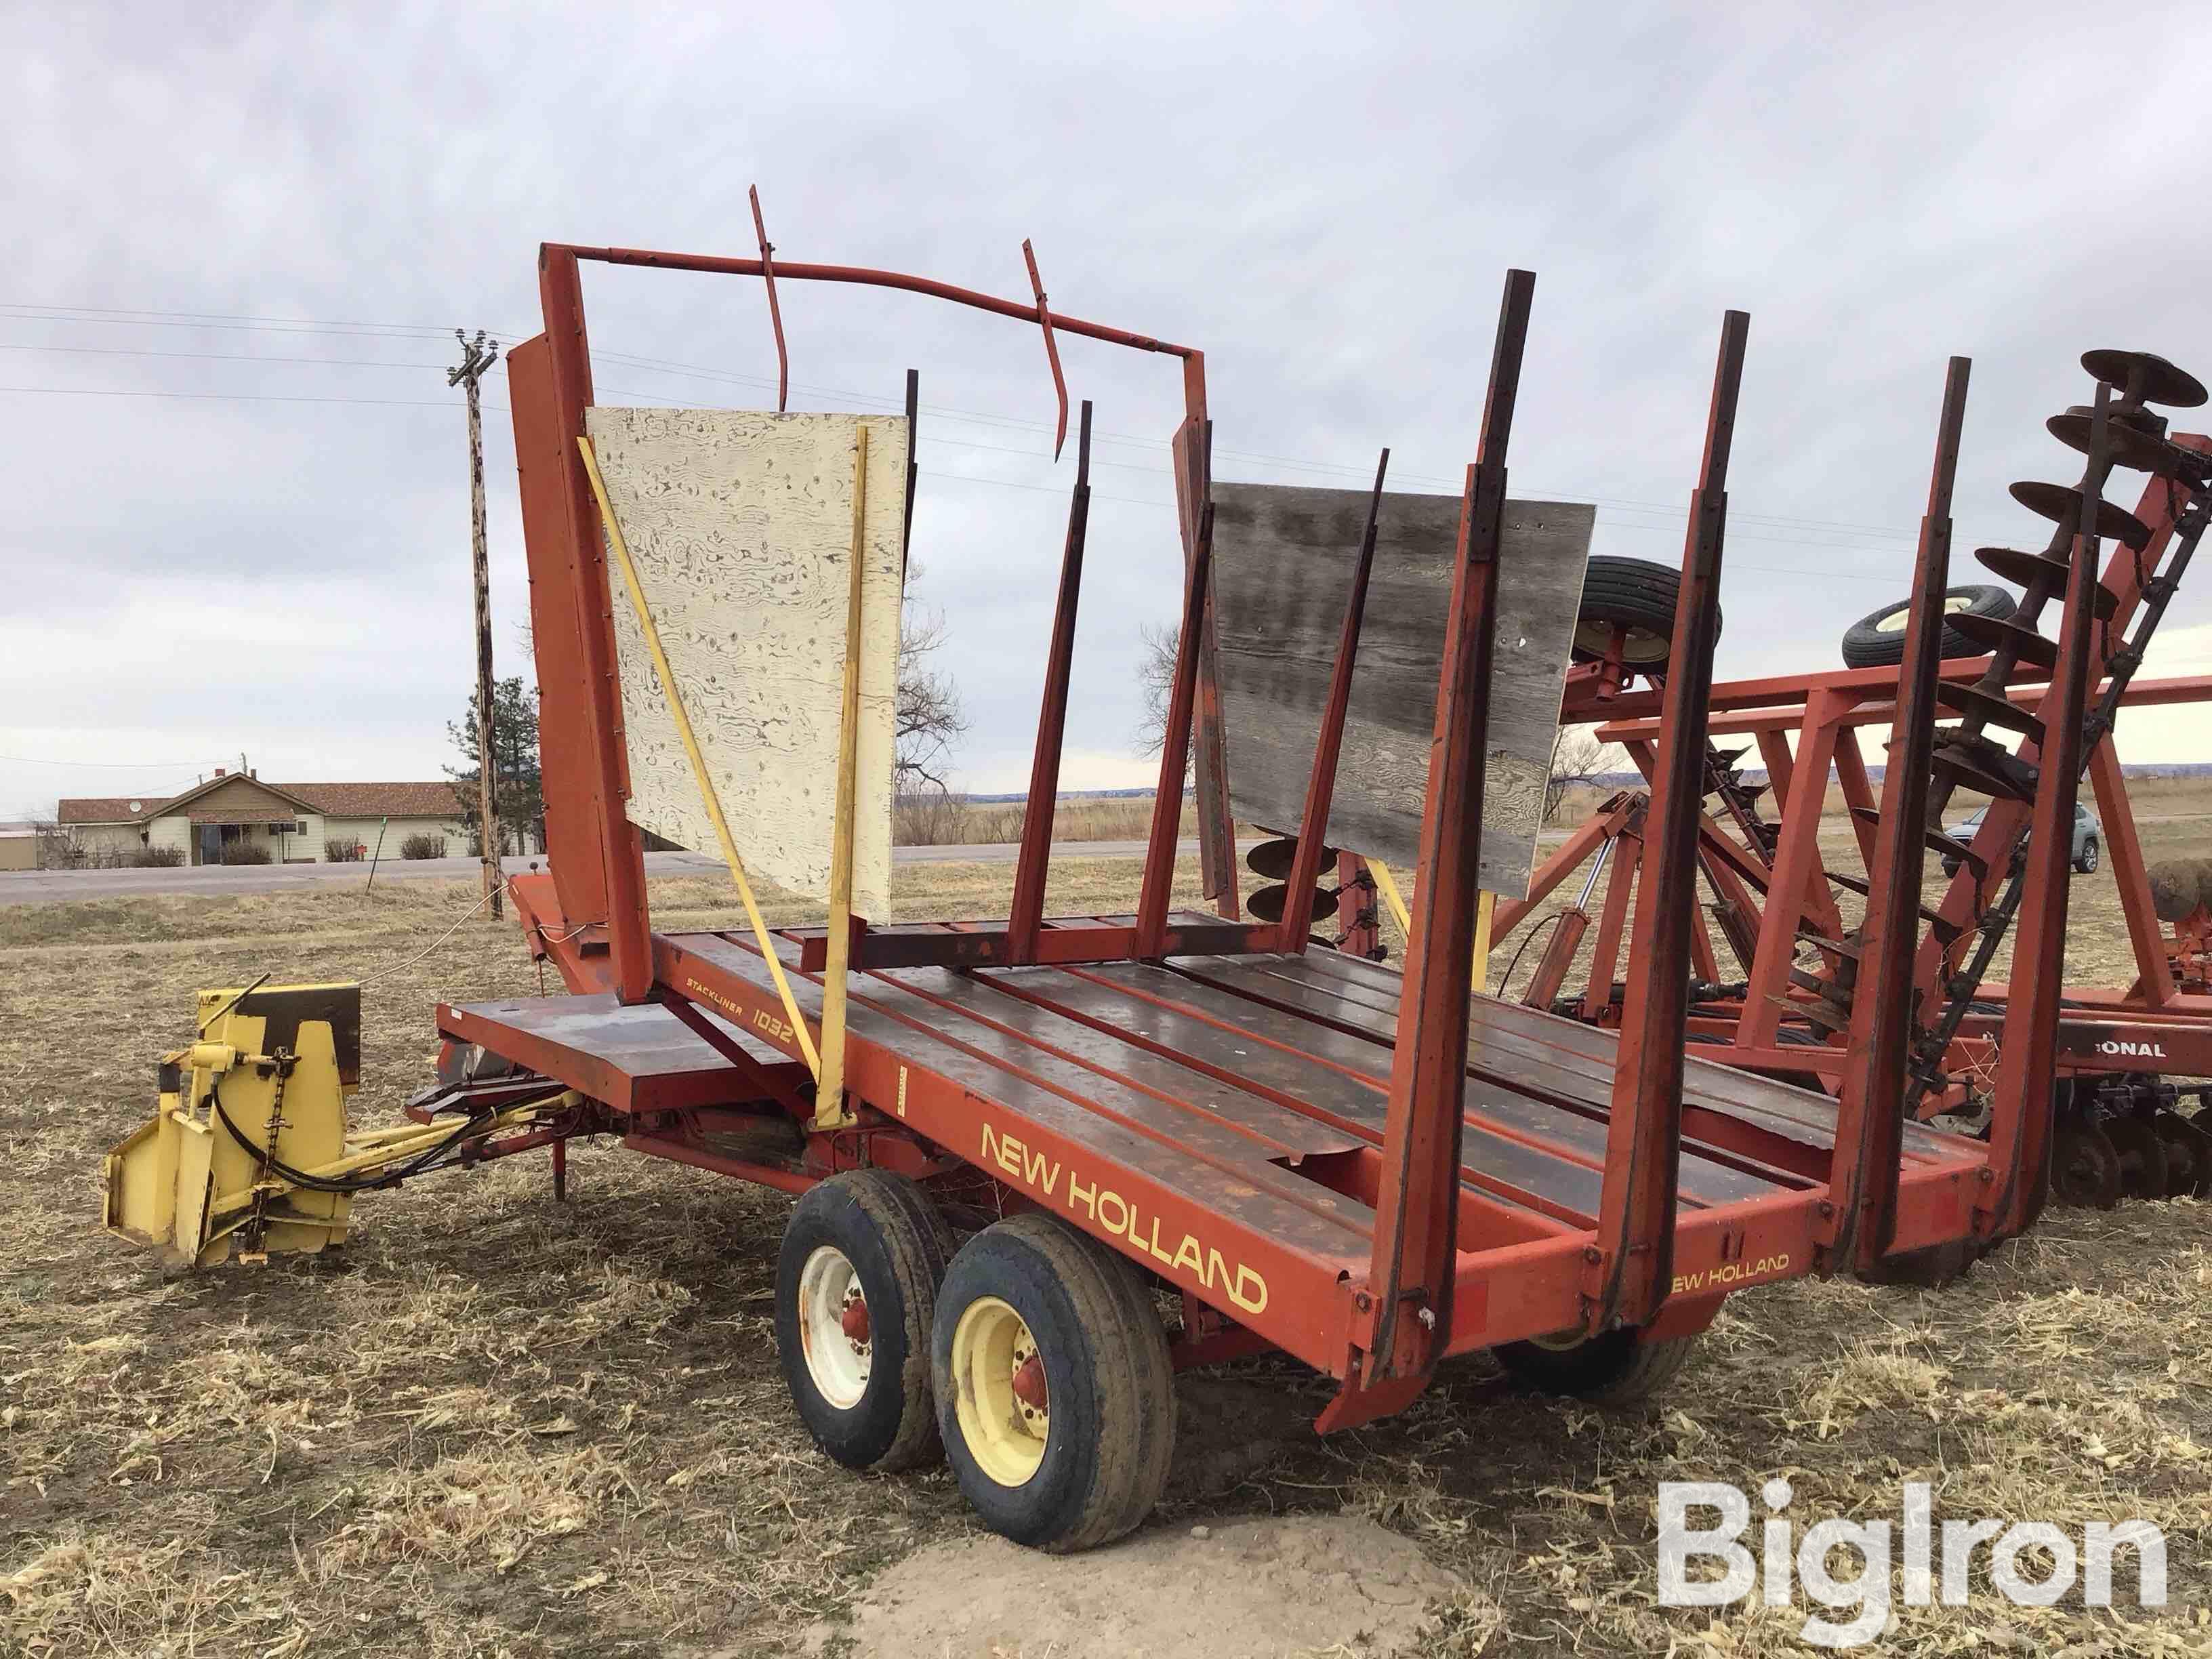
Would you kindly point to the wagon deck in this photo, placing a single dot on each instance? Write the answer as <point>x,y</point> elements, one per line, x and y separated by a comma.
<point>1239,1102</point>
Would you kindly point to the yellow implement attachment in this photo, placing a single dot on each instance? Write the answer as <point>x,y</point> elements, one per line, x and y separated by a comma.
<point>248,1153</point>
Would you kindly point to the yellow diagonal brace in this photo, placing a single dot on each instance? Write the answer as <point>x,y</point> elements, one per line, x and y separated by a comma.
<point>1381,872</point>
<point>698,762</point>
<point>1484,905</point>
<point>830,1086</point>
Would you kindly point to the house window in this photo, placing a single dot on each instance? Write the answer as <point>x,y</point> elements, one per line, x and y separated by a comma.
<point>299,828</point>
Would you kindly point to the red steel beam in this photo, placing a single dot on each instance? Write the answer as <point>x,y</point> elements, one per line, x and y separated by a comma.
<point>1634,1272</point>
<point>1025,915</point>
<point>1417,1209</point>
<point>2130,873</point>
<point>629,935</point>
<point>1870,1121</point>
<point>1796,865</point>
<point>2019,1130</point>
<point>1297,925</point>
<point>568,763</point>
<point>1175,749</point>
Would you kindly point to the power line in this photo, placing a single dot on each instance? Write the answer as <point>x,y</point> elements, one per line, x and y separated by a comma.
<point>412,331</point>
<point>111,766</point>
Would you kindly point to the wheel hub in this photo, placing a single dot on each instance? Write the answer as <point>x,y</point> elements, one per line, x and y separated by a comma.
<point>1003,1403</point>
<point>834,1332</point>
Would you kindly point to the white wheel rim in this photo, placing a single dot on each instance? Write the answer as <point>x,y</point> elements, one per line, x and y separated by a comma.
<point>836,1360</point>
<point>1004,1432</point>
<point>1895,622</point>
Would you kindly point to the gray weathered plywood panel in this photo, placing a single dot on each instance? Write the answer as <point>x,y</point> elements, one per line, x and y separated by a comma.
<point>740,523</point>
<point>1282,561</point>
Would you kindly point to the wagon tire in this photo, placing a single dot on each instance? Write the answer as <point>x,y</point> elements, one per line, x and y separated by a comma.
<point>1055,1395</point>
<point>855,1295</point>
<point>1617,1369</point>
<point>1635,596</point>
<point>1877,639</point>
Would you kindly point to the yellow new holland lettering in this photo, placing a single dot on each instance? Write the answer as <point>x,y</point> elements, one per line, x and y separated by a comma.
<point>1242,1286</point>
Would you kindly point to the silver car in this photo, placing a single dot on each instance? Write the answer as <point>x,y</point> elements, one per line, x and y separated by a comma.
<point>2088,840</point>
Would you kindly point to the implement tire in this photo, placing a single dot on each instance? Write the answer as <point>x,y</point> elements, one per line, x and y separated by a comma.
<point>1055,1396</point>
<point>1634,595</point>
<point>1616,1369</point>
<point>855,1294</point>
<point>1877,639</point>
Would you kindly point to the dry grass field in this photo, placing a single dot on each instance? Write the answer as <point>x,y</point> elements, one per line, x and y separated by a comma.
<point>497,1426</point>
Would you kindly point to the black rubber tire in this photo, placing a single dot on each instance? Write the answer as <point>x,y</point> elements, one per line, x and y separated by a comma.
<point>1108,1376</point>
<point>1617,1369</point>
<point>1631,593</point>
<point>1868,644</point>
<point>899,1246</point>
<point>2091,857</point>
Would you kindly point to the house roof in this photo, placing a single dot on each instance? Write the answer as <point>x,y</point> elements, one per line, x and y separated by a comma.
<point>356,800</point>
<point>371,800</point>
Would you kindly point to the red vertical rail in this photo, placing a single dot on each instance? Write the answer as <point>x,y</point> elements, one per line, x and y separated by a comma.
<point>1861,1218</point>
<point>1417,1210</point>
<point>1026,915</point>
<point>1644,1139</point>
<point>1297,925</point>
<point>2019,1132</point>
<point>1175,747</point>
<point>628,928</point>
<point>569,762</point>
<point>1193,449</point>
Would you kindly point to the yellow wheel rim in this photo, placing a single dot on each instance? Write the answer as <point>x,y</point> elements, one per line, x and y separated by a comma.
<point>1005,1428</point>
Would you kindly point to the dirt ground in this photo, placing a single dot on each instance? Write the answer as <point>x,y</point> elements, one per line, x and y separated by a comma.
<point>497,1426</point>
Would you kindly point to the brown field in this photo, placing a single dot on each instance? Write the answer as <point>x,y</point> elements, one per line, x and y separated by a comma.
<point>497,1426</point>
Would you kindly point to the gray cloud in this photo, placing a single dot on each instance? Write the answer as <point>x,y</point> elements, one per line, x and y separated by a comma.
<point>1325,200</point>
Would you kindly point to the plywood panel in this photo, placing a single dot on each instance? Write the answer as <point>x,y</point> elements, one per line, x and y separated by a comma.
<point>1282,572</point>
<point>740,523</point>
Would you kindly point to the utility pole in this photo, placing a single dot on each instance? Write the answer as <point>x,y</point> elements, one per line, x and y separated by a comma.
<point>477,355</point>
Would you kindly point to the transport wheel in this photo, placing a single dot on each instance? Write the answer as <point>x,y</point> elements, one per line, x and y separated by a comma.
<point>1055,1396</point>
<point>1617,1369</point>
<point>1634,595</point>
<point>2142,1155</point>
<point>2085,1168</point>
<point>1877,639</point>
<point>2187,1156</point>
<point>2087,864</point>
<point>855,1291</point>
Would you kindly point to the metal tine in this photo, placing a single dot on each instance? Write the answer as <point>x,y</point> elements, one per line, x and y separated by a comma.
<point>775,310</point>
<point>1321,783</point>
<point>2020,1132</point>
<point>913,466</point>
<point>1051,347</point>
<point>1416,1208</point>
<point>1634,1269</point>
<point>1025,916</point>
<point>1870,1120</point>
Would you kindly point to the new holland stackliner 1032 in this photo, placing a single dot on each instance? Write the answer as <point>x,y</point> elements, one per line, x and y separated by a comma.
<point>1013,1140</point>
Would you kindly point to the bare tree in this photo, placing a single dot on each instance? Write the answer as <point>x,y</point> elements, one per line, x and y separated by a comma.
<point>1156,666</point>
<point>930,714</point>
<point>1577,756</point>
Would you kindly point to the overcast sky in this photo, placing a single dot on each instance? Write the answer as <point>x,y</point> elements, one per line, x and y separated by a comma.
<point>237,506</point>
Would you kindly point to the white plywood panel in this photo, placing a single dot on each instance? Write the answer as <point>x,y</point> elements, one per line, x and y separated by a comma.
<point>1283,559</point>
<point>740,523</point>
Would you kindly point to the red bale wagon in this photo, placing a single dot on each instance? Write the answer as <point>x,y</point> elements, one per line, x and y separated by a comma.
<point>1370,1170</point>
